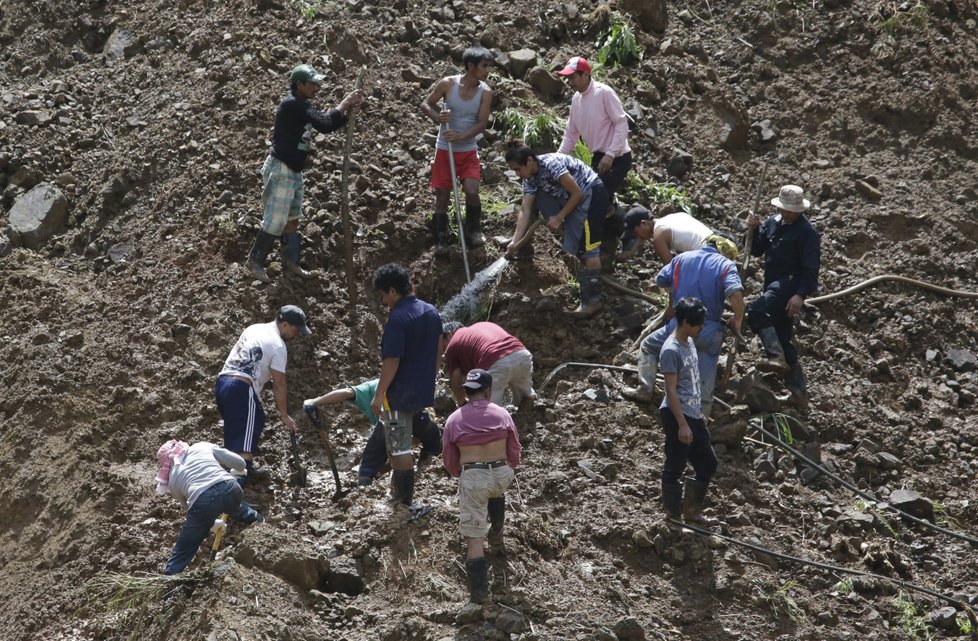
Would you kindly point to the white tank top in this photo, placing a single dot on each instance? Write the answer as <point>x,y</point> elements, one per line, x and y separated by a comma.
<point>687,232</point>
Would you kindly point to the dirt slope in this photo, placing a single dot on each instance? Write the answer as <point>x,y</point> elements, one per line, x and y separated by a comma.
<point>153,118</point>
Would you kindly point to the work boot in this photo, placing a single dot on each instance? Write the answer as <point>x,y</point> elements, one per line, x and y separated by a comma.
<point>497,517</point>
<point>291,246</point>
<point>672,500</point>
<point>775,353</point>
<point>693,501</point>
<point>403,482</point>
<point>590,281</point>
<point>257,473</point>
<point>648,365</point>
<point>439,228</point>
<point>794,380</point>
<point>364,480</point>
<point>477,573</point>
<point>473,226</point>
<point>259,252</point>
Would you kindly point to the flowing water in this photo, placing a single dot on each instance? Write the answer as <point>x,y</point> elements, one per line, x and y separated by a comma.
<point>464,307</point>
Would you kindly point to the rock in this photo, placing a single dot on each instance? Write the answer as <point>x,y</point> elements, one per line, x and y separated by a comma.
<point>5,248</point>
<point>888,461</point>
<point>270,550</point>
<point>118,252</point>
<point>962,360</point>
<point>670,47</point>
<point>25,178</point>
<point>520,61</point>
<point>913,504</point>
<point>855,521</point>
<point>413,74</point>
<point>470,613</point>
<point>510,622</point>
<point>345,575</point>
<point>868,190</point>
<point>629,629</point>
<point>765,131</point>
<point>33,117</point>
<point>642,539</point>
<point>945,618</point>
<point>680,163</point>
<point>733,135</point>
<point>545,82</point>
<point>651,15</point>
<point>37,216</point>
<point>118,45</point>
<point>596,395</point>
<point>409,33</point>
<point>731,433</point>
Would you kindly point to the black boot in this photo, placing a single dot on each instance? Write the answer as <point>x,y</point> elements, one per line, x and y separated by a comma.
<point>775,353</point>
<point>257,473</point>
<point>478,575</point>
<point>439,228</point>
<point>291,245</point>
<point>497,517</point>
<point>259,252</point>
<point>693,502</point>
<point>590,281</point>
<point>473,226</point>
<point>795,381</point>
<point>672,501</point>
<point>403,481</point>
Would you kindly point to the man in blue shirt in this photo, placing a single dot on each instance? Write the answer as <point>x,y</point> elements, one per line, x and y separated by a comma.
<point>711,277</point>
<point>411,351</point>
<point>792,250</point>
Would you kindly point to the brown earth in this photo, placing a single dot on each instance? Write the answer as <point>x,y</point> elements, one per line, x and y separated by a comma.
<point>113,331</point>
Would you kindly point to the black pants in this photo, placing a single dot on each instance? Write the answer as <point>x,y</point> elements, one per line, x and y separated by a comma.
<point>614,178</point>
<point>375,452</point>
<point>769,311</point>
<point>699,453</point>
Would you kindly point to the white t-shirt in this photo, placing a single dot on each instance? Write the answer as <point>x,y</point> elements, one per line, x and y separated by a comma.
<point>259,350</point>
<point>688,234</point>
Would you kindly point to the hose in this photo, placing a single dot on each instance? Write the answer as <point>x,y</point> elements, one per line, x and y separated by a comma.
<point>937,289</point>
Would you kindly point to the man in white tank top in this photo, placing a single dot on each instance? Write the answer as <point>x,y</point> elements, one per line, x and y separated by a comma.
<point>672,234</point>
<point>464,114</point>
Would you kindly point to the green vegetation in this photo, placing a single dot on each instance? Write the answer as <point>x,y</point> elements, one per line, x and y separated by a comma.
<point>914,18</point>
<point>618,45</point>
<point>783,428</point>
<point>843,587</point>
<point>637,189</point>
<point>783,604</point>
<point>911,619</point>
<point>539,132</point>
<point>942,518</point>
<point>582,153</point>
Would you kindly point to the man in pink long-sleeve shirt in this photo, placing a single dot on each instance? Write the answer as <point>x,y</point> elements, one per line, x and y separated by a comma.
<point>597,117</point>
<point>482,448</point>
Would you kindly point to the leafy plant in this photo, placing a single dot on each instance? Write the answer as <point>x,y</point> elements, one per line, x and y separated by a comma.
<point>783,604</point>
<point>913,622</point>
<point>783,428</point>
<point>844,586</point>
<point>636,188</point>
<point>582,153</point>
<point>942,518</point>
<point>539,132</point>
<point>916,16</point>
<point>617,46</point>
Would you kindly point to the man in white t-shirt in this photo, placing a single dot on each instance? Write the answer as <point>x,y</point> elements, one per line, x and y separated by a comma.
<point>259,355</point>
<point>672,234</point>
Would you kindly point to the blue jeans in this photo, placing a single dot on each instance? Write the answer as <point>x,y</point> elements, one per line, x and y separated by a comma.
<point>224,497</point>
<point>708,346</point>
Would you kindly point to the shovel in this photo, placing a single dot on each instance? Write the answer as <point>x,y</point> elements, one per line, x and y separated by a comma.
<point>313,413</point>
<point>299,476</point>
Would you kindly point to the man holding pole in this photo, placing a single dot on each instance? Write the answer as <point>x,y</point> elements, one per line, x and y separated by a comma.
<point>465,114</point>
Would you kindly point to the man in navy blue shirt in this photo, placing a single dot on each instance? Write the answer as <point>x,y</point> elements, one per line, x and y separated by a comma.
<point>411,353</point>
<point>281,174</point>
<point>792,251</point>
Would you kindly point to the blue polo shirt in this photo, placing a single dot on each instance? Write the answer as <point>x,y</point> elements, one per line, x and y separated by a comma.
<point>705,274</point>
<point>412,334</point>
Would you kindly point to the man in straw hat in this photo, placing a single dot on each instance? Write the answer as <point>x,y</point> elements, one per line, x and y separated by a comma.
<point>710,275</point>
<point>792,252</point>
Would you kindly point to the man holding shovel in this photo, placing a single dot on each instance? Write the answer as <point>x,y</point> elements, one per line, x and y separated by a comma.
<point>465,115</point>
<point>282,187</point>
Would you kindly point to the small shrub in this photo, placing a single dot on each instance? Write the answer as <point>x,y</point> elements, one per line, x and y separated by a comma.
<point>618,45</point>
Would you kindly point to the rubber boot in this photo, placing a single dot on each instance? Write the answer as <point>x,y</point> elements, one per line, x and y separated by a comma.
<point>439,228</point>
<point>794,380</point>
<point>648,365</point>
<point>672,501</point>
<point>403,481</point>
<point>693,502</point>
<point>257,473</point>
<point>473,226</point>
<point>590,281</point>
<point>259,252</point>
<point>775,353</point>
<point>497,518</point>
<point>364,480</point>
<point>478,575</point>
<point>292,246</point>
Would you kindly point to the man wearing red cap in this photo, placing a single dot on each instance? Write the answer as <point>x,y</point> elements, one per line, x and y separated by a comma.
<point>597,117</point>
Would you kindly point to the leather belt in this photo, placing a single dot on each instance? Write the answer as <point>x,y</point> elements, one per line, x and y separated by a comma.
<point>483,466</point>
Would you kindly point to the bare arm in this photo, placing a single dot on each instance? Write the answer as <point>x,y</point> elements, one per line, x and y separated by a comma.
<point>523,221</point>
<point>455,380</point>
<point>737,303</point>
<point>661,239</point>
<point>430,106</point>
<point>387,371</point>
<point>335,396</point>
<point>280,389</point>
<point>672,400</point>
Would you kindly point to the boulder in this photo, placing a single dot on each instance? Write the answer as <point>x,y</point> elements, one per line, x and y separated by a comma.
<point>913,504</point>
<point>545,82</point>
<point>680,163</point>
<point>118,45</point>
<point>520,61</point>
<point>730,433</point>
<point>37,216</point>
<point>651,15</point>
<point>629,629</point>
<point>962,360</point>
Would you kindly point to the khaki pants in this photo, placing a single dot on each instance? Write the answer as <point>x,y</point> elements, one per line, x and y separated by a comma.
<point>475,488</point>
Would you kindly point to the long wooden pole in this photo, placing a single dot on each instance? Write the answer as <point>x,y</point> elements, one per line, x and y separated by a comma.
<point>351,278</point>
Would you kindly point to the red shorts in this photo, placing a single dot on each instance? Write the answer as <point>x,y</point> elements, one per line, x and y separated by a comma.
<point>466,166</point>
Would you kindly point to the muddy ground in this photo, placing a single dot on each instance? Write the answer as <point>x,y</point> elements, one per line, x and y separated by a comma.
<point>153,118</point>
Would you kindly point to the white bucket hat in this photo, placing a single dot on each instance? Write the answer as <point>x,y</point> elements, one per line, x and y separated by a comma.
<point>791,198</point>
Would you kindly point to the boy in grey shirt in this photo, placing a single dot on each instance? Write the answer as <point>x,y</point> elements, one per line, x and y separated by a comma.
<point>687,438</point>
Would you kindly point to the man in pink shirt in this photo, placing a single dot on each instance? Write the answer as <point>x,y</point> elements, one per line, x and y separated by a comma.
<point>482,448</point>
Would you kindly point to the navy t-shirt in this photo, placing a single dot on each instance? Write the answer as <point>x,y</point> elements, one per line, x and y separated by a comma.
<point>294,121</point>
<point>412,334</point>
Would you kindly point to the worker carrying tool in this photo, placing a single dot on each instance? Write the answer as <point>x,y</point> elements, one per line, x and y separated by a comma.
<point>196,476</point>
<point>792,255</point>
<point>482,449</point>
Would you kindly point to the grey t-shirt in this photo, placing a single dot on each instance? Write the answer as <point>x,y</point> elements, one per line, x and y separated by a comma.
<point>676,358</point>
<point>201,468</point>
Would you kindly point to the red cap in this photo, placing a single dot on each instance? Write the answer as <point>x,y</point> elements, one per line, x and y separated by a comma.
<point>574,65</point>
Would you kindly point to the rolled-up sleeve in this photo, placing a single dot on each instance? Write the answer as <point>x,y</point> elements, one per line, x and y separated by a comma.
<point>449,451</point>
<point>513,447</point>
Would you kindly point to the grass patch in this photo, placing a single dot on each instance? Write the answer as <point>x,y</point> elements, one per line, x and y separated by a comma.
<point>910,618</point>
<point>782,603</point>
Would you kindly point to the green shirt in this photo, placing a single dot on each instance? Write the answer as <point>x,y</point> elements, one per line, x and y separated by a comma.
<point>363,394</point>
